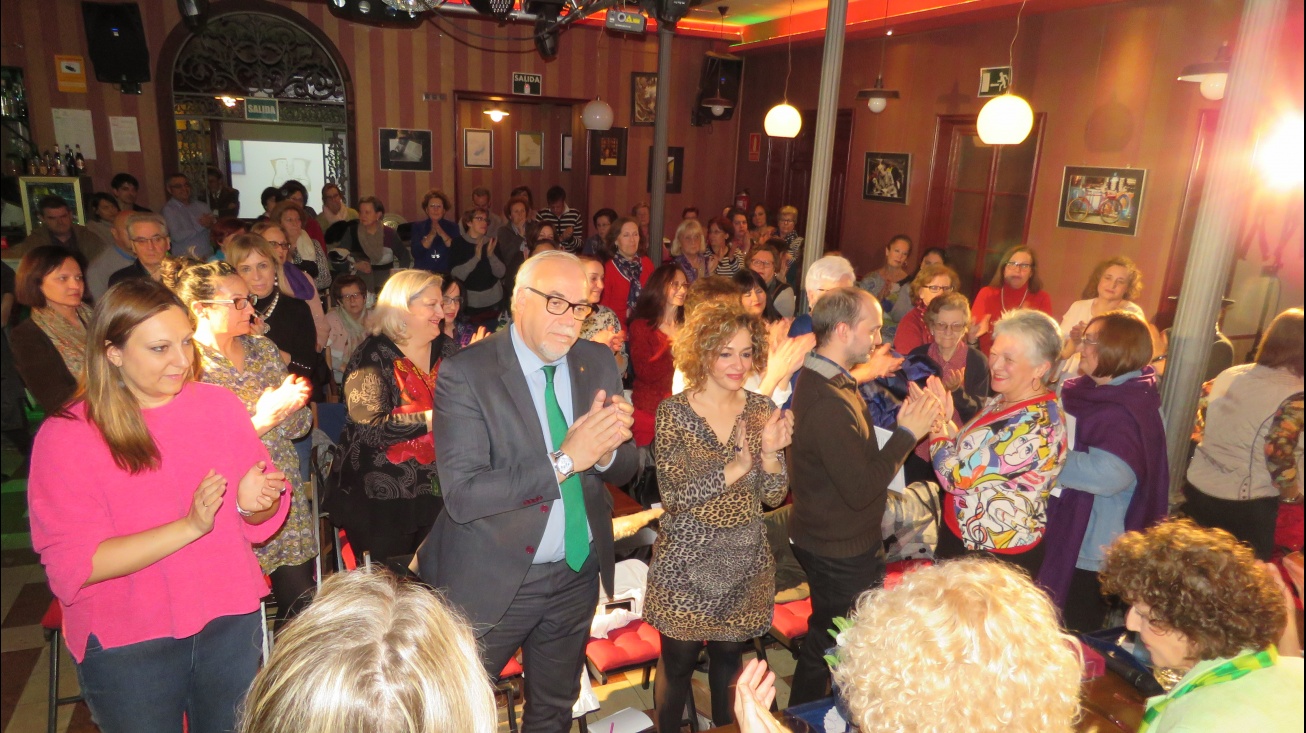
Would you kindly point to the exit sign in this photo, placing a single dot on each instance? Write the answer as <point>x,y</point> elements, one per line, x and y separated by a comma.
<point>994,81</point>
<point>529,85</point>
<point>263,110</point>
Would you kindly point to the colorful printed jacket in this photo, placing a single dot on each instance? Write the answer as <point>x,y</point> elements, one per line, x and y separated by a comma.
<point>998,472</point>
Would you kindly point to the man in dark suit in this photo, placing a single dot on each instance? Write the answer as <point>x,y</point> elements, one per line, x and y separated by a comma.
<point>528,426</point>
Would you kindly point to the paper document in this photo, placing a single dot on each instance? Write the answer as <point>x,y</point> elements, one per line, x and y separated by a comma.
<point>899,481</point>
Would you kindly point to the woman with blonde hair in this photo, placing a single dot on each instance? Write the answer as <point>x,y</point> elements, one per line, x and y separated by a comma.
<point>687,250</point>
<point>290,279</point>
<point>720,456</point>
<point>146,494</point>
<point>373,654</point>
<point>389,495</point>
<point>967,645</point>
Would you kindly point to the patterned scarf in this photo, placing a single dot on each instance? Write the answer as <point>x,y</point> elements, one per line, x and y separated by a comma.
<point>1240,666</point>
<point>68,337</point>
<point>631,270</point>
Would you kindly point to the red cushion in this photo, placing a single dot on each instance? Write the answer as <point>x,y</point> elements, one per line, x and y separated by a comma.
<point>635,643</point>
<point>53,618</point>
<point>511,669</point>
<point>347,552</point>
<point>790,619</point>
<point>895,570</point>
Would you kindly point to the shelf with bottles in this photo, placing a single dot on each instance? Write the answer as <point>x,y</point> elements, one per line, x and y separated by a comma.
<point>13,96</point>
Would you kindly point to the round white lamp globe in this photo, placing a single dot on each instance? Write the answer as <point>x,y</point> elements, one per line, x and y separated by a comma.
<point>783,121</point>
<point>597,115</point>
<point>1005,120</point>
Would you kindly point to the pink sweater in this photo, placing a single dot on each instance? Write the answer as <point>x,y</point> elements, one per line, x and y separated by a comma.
<point>79,498</point>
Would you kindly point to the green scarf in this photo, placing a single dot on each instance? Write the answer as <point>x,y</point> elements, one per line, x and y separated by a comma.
<point>1240,666</point>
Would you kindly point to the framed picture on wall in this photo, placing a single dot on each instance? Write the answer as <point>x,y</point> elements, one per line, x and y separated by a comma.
<point>886,177</point>
<point>608,152</point>
<point>405,150</point>
<point>1101,199</point>
<point>643,98</point>
<point>478,148</point>
<point>33,188</point>
<point>530,150</point>
<point>675,170</point>
<point>565,155</point>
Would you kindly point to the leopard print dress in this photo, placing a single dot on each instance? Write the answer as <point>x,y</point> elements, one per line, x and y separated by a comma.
<point>712,577</point>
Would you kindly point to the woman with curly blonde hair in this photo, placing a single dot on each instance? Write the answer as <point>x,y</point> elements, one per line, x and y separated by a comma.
<point>373,654</point>
<point>967,645</point>
<point>719,452</point>
<point>1202,604</point>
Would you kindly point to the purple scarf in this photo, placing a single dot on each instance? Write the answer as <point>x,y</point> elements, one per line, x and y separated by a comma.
<point>631,270</point>
<point>1125,421</point>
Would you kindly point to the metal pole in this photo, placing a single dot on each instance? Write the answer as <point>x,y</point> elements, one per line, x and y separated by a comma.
<point>818,198</point>
<point>1218,220</point>
<point>661,113</point>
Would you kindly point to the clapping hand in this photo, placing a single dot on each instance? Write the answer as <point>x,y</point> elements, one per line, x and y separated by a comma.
<point>776,334</point>
<point>481,333</point>
<point>920,411</point>
<point>778,432</point>
<point>953,379</point>
<point>754,694</point>
<point>206,502</point>
<point>881,363</point>
<point>275,405</point>
<point>1077,332</point>
<point>978,329</point>
<point>598,432</point>
<point>260,488</point>
<point>743,453</point>
<point>790,354</point>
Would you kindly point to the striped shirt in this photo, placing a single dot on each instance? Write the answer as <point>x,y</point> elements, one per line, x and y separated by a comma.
<point>570,218</point>
<point>731,266</point>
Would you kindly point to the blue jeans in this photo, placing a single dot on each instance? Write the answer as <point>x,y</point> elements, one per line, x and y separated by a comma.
<point>146,687</point>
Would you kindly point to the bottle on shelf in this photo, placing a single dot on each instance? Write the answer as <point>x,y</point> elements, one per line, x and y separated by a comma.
<point>69,162</point>
<point>79,163</point>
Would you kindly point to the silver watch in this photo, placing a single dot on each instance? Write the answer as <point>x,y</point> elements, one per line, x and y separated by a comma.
<point>563,464</point>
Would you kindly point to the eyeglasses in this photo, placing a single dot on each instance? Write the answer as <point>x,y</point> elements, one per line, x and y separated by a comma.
<point>1020,265</point>
<point>558,306</point>
<point>156,239</point>
<point>949,327</point>
<point>480,218</point>
<point>239,304</point>
<point>276,243</point>
<point>353,296</point>
<point>456,300</point>
<point>938,288</point>
<point>1087,340</point>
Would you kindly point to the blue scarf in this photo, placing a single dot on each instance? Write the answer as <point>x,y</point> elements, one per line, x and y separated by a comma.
<point>631,270</point>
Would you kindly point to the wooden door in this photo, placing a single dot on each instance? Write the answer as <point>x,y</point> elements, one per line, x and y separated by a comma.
<point>788,178</point>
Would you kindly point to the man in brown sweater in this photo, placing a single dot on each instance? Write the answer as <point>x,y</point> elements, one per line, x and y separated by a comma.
<point>840,474</point>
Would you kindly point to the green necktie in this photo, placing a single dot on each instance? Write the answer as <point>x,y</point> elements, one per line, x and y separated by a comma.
<point>575,536</point>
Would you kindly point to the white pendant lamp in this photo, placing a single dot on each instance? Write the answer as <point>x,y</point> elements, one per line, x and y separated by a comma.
<point>1006,119</point>
<point>877,97</point>
<point>597,115</point>
<point>1211,76</point>
<point>783,120</point>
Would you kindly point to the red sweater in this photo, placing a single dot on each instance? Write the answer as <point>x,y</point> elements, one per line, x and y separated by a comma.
<point>650,357</point>
<point>991,301</point>
<point>616,288</point>
<point>912,331</point>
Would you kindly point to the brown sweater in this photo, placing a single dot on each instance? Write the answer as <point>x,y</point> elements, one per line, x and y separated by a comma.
<point>839,476</point>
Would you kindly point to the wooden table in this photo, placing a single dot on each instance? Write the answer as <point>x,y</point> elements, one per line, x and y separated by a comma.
<point>622,504</point>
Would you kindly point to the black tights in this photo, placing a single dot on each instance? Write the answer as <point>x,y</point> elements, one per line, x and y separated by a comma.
<point>676,669</point>
<point>292,586</point>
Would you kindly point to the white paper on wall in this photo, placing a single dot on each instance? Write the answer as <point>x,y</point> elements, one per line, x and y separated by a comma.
<point>125,134</point>
<point>72,127</point>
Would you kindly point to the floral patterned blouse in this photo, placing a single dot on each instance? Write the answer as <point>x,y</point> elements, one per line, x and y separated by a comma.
<point>293,543</point>
<point>1283,447</point>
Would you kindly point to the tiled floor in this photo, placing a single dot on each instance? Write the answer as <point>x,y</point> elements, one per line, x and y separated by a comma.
<point>24,661</point>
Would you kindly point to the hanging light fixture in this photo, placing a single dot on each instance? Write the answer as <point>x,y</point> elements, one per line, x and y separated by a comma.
<point>716,103</point>
<point>1007,118</point>
<point>496,114</point>
<point>877,97</point>
<point>783,120</point>
<point>597,115</point>
<point>1210,76</point>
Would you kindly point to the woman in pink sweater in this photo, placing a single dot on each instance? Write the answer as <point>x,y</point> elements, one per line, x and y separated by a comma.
<point>145,547</point>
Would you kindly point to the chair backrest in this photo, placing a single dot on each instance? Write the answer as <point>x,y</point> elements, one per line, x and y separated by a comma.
<point>331,418</point>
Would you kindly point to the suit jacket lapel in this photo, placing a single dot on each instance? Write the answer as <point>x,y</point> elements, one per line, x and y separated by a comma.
<point>515,382</point>
<point>581,395</point>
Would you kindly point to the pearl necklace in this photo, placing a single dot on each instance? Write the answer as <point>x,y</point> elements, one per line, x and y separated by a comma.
<point>276,298</point>
<point>1002,295</point>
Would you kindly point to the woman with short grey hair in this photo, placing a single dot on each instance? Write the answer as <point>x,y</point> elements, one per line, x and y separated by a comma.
<point>998,469</point>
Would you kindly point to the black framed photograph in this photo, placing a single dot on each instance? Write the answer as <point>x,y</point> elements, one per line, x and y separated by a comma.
<point>566,152</point>
<point>675,170</point>
<point>643,98</point>
<point>405,150</point>
<point>478,148</point>
<point>1102,199</point>
<point>530,150</point>
<point>34,188</point>
<point>886,177</point>
<point>608,152</point>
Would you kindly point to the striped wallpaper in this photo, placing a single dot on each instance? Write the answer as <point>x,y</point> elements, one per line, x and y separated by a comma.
<point>391,70</point>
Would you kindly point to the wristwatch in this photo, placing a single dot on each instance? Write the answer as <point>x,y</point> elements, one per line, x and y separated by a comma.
<point>563,464</point>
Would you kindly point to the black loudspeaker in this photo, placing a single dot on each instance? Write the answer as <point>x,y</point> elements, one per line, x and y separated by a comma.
<point>719,80</point>
<point>116,41</point>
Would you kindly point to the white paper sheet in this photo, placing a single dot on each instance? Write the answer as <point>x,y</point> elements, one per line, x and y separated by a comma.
<point>72,127</point>
<point>899,482</point>
<point>126,136</point>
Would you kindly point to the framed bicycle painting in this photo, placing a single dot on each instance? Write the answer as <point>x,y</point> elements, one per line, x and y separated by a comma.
<point>1102,199</point>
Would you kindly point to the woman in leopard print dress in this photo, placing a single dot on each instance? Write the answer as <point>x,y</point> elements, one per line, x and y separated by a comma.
<point>719,451</point>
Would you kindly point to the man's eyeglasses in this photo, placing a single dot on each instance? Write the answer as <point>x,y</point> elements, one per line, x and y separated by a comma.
<point>938,288</point>
<point>239,304</point>
<point>156,239</point>
<point>480,218</point>
<point>558,306</point>
<point>352,296</point>
<point>1020,265</point>
<point>949,327</point>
